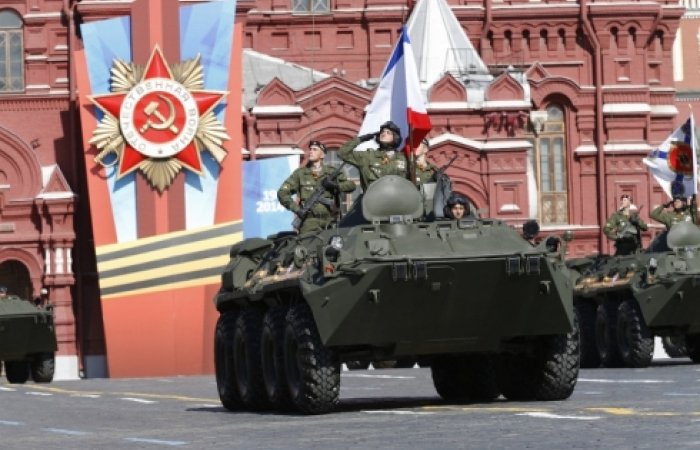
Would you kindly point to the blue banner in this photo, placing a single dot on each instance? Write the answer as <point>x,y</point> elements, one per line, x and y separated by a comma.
<point>262,213</point>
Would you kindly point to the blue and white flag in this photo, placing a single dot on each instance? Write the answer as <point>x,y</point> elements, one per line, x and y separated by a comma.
<point>398,97</point>
<point>674,164</point>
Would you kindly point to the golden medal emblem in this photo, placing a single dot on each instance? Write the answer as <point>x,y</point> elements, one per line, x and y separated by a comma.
<point>158,119</point>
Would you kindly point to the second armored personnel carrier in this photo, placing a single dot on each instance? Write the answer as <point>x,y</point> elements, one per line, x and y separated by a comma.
<point>27,340</point>
<point>622,302</point>
<point>492,312</point>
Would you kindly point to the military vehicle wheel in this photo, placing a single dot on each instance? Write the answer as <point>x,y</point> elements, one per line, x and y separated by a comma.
<point>42,368</point>
<point>17,372</point>
<point>385,364</point>
<point>465,376</point>
<point>247,361</point>
<point>692,344</point>
<point>313,371</point>
<point>357,365</point>
<point>272,350</point>
<point>586,313</point>
<point>223,361</point>
<point>606,334</point>
<point>635,341</point>
<point>549,374</point>
<point>675,346</point>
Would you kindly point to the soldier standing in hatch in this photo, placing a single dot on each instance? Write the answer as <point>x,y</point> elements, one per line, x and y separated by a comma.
<point>374,164</point>
<point>624,227</point>
<point>424,170</point>
<point>3,291</point>
<point>304,181</point>
<point>680,212</point>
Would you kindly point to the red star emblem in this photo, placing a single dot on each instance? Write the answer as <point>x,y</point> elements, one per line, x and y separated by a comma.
<point>158,117</point>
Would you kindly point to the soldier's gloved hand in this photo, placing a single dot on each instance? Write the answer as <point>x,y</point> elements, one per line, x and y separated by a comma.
<point>367,137</point>
<point>329,184</point>
<point>668,204</point>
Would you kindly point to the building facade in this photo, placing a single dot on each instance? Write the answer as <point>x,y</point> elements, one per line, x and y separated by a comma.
<point>577,94</point>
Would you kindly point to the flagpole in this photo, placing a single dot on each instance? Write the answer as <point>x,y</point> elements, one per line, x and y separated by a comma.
<point>694,200</point>
<point>412,154</point>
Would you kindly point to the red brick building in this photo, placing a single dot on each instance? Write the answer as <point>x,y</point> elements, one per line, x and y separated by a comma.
<point>550,107</point>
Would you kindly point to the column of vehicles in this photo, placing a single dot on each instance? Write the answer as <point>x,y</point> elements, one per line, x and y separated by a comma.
<point>27,340</point>
<point>490,312</point>
<point>623,302</point>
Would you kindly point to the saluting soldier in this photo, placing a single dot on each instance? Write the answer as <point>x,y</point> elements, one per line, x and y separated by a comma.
<point>424,170</point>
<point>680,212</point>
<point>373,164</point>
<point>304,181</point>
<point>624,227</point>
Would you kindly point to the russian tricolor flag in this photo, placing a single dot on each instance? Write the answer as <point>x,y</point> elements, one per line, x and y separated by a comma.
<point>398,97</point>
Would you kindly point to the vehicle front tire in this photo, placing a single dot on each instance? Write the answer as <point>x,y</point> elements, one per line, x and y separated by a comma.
<point>675,346</point>
<point>272,351</point>
<point>357,365</point>
<point>247,359</point>
<point>586,312</point>
<point>692,344</point>
<point>42,368</point>
<point>635,341</point>
<point>17,372</point>
<point>550,374</point>
<point>313,371</point>
<point>606,334</point>
<point>223,361</point>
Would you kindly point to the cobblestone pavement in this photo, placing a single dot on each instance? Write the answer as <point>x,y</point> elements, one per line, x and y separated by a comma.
<point>657,407</point>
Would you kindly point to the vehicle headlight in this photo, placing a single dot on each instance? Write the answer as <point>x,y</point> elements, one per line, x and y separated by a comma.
<point>336,242</point>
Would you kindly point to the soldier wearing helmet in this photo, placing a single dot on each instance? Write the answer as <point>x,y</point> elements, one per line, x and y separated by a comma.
<point>424,170</point>
<point>3,291</point>
<point>304,181</point>
<point>387,159</point>
<point>625,226</point>
<point>457,206</point>
<point>680,212</point>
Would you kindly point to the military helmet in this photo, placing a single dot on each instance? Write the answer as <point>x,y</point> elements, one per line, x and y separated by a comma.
<point>682,199</point>
<point>318,144</point>
<point>457,199</point>
<point>3,288</point>
<point>395,130</point>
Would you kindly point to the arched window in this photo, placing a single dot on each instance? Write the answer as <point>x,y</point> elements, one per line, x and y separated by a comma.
<point>549,162</point>
<point>11,52</point>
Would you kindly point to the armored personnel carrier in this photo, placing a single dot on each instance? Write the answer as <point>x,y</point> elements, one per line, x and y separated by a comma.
<point>492,312</point>
<point>622,302</point>
<point>27,340</point>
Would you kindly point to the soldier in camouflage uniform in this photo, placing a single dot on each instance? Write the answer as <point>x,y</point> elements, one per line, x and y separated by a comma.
<point>376,163</point>
<point>624,227</point>
<point>304,181</point>
<point>424,170</point>
<point>680,212</point>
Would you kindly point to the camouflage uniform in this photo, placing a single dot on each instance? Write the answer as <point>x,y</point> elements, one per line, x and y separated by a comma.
<point>303,183</point>
<point>373,164</point>
<point>670,218</point>
<point>631,241</point>
<point>424,172</point>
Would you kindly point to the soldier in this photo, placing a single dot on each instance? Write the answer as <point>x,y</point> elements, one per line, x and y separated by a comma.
<point>457,206</point>
<point>374,164</point>
<point>3,291</point>
<point>304,182</point>
<point>680,212</point>
<point>625,226</point>
<point>424,170</point>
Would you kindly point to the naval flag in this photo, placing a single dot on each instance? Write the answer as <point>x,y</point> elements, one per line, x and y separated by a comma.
<point>398,97</point>
<point>674,163</point>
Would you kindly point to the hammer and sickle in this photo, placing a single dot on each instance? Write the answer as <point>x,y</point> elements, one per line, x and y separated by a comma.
<point>165,124</point>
